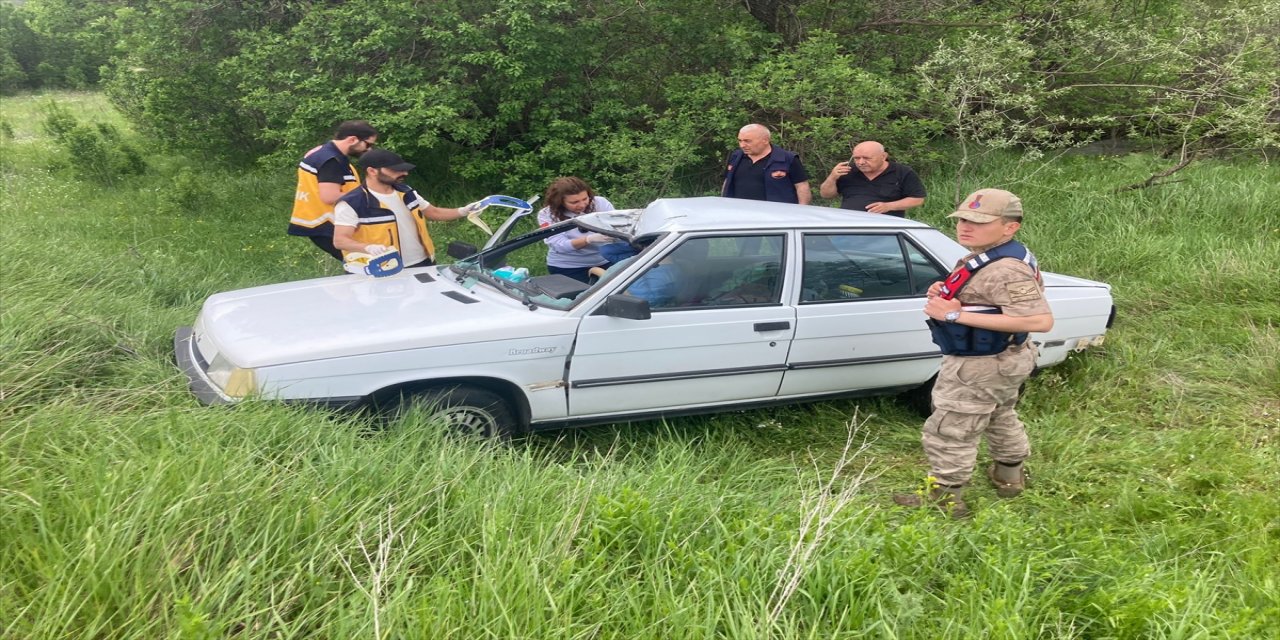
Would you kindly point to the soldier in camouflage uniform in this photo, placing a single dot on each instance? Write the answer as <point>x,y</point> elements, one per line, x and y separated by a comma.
<point>976,394</point>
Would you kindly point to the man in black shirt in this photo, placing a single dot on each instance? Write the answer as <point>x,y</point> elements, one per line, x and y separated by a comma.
<point>878,186</point>
<point>757,170</point>
<point>324,175</point>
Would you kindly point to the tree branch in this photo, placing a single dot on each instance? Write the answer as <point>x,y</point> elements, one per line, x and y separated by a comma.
<point>1151,181</point>
<point>883,24</point>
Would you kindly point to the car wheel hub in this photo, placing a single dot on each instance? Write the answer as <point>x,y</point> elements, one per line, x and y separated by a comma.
<point>469,420</point>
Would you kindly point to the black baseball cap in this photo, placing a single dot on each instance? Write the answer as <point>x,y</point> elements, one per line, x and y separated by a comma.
<point>383,159</point>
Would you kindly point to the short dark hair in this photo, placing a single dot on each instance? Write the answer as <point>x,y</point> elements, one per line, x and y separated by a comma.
<point>358,128</point>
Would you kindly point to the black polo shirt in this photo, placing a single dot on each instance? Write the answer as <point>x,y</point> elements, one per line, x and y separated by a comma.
<point>334,170</point>
<point>896,182</point>
<point>766,179</point>
<point>749,183</point>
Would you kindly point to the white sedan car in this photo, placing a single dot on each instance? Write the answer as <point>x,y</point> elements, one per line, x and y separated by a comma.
<point>722,304</point>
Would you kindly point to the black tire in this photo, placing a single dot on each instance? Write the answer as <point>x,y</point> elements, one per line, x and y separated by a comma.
<point>464,409</point>
<point>919,399</point>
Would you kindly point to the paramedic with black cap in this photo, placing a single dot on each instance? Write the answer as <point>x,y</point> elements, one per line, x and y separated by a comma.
<point>386,214</point>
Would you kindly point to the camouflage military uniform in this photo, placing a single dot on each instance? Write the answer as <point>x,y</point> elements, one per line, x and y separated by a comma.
<point>974,395</point>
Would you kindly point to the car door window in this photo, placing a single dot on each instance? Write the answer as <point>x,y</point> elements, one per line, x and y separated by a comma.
<point>715,272</point>
<point>841,267</point>
<point>924,271</point>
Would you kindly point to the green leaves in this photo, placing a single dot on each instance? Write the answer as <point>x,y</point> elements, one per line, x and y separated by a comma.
<point>96,153</point>
<point>644,98</point>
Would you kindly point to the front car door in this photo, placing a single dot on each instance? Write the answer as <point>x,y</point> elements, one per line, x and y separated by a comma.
<point>719,331</point>
<point>860,321</point>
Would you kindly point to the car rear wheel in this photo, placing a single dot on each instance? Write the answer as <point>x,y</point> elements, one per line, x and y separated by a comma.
<point>920,399</point>
<point>464,409</point>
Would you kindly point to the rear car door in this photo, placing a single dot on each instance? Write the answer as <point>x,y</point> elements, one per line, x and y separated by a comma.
<point>719,331</point>
<point>859,319</point>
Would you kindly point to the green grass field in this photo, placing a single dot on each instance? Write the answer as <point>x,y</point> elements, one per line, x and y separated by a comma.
<point>129,511</point>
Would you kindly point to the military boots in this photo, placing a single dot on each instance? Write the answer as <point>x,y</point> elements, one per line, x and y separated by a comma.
<point>1009,480</point>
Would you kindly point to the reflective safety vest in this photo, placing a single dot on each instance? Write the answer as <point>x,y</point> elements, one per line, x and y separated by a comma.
<point>311,216</point>
<point>378,224</point>
<point>956,339</point>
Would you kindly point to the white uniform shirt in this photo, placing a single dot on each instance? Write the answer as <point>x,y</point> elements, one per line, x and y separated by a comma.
<point>411,251</point>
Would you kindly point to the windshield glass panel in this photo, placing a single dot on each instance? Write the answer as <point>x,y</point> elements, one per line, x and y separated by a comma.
<point>622,221</point>
<point>518,267</point>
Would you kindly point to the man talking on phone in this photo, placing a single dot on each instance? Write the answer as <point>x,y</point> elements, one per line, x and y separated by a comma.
<point>878,185</point>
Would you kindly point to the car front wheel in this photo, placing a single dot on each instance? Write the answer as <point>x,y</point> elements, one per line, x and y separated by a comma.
<point>464,409</point>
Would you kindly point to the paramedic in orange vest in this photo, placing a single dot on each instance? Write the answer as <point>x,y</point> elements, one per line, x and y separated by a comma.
<point>324,174</point>
<point>384,213</point>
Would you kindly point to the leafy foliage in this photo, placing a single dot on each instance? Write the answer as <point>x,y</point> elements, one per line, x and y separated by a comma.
<point>16,51</point>
<point>167,79</point>
<point>502,93</point>
<point>644,98</point>
<point>54,43</point>
<point>97,152</point>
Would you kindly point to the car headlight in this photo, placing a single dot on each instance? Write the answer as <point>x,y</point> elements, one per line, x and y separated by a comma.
<point>235,381</point>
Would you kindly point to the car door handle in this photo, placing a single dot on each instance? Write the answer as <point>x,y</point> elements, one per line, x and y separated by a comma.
<point>773,326</point>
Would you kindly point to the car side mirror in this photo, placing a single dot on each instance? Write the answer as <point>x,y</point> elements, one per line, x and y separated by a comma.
<point>621,305</point>
<point>460,250</point>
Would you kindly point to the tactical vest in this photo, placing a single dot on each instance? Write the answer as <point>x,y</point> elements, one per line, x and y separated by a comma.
<point>956,339</point>
<point>311,216</point>
<point>775,189</point>
<point>378,225</point>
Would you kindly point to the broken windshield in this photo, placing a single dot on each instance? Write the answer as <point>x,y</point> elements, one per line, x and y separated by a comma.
<point>517,266</point>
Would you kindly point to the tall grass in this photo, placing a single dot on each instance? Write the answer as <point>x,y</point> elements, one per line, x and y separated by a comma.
<point>127,510</point>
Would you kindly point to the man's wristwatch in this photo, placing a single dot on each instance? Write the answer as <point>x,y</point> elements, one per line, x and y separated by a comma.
<point>951,316</point>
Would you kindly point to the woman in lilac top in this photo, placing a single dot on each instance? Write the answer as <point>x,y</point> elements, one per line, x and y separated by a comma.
<point>573,253</point>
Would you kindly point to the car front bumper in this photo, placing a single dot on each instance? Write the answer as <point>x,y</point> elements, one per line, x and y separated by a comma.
<point>194,367</point>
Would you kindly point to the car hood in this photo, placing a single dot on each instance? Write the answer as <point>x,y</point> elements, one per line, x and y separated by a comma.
<point>354,315</point>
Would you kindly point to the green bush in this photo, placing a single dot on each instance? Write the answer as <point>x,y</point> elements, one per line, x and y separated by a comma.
<point>12,76</point>
<point>188,192</point>
<point>54,43</point>
<point>17,50</point>
<point>58,121</point>
<point>644,98</point>
<point>96,153</point>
